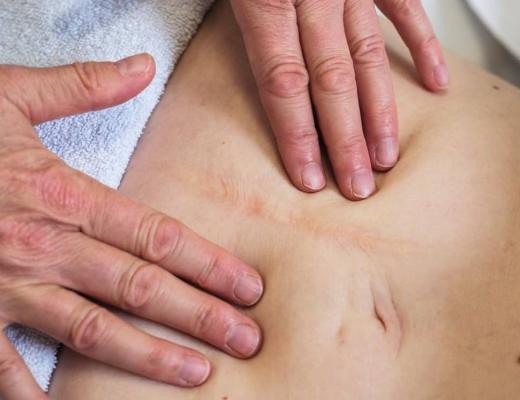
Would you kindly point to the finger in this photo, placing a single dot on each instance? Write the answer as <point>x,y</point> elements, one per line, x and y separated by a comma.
<point>98,334</point>
<point>108,216</point>
<point>144,289</point>
<point>16,381</point>
<point>270,34</point>
<point>162,240</point>
<point>415,28</point>
<point>374,82</point>
<point>43,94</point>
<point>335,96</point>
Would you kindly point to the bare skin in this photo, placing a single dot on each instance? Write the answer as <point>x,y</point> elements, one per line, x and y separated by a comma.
<point>412,294</point>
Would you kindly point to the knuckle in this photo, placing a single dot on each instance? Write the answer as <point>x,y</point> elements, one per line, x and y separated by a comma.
<point>204,318</point>
<point>10,366</point>
<point>426,44</point>
<point>209,272</point>
<point>5,104</point>
<point>92,79</point>
<point>159,360</point>
<point>271,6</point>
<point>334,75</point>
<point>11,184</point>
<point>156,356</point>
<point>285,78</point>
<point>12,80</point>
<point>299,141</point>
<point>384,115</point>
<point>27,238</point>
<point>159,237</point>
<point>139,286</point>
<point>57,189</point>
<point>20,166</point>
<point>162,361</point>
<point>88,76</point>
<point>351,148</point>
<point>404,8</point>
<point>311,12</point>
<point>90,330</point>
<point>386,107</point>
<point>369,51</point>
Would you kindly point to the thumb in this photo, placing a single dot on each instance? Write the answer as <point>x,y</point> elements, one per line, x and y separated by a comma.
<point>44,94</point>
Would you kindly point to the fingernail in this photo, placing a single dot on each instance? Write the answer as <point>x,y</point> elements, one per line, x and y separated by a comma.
<point>248,289</point>
<point>363,184</point>
<point>441,76</point>
<point>312,176</point>
<point>386,153</point>
<point>243,339</point>
<point>134,65</point>
<point>195,370</point>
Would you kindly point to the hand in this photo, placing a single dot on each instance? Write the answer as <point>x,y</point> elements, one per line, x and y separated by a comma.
<point>64,236</point>
<point>337,47</point>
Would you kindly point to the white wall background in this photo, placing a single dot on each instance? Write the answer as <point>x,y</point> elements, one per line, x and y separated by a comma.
<point>461,31</point>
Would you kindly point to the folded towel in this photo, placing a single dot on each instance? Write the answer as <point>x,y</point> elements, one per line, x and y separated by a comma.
<point>53,32</point>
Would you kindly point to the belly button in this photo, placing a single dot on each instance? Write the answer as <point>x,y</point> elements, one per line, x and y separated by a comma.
<point>385,311</point>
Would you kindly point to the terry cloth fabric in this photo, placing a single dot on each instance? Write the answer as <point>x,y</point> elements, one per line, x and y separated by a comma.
<point>53,32</point>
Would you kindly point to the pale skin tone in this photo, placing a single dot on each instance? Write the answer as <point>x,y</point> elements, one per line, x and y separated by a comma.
<point>64,236</point>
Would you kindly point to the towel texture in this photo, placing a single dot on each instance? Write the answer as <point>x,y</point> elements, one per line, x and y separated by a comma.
<point>53,32</point>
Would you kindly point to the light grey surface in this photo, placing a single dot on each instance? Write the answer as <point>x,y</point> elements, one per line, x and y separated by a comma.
<point>52,32</point>
<point>501,18</point>
<point>461,30</point>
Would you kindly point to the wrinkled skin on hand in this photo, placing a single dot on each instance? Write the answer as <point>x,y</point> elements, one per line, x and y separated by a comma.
<point>330,55</point>
<point>64,236</point>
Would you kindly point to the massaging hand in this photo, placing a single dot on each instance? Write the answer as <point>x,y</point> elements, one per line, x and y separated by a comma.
<point>337,46</point>
<point>64,236</point>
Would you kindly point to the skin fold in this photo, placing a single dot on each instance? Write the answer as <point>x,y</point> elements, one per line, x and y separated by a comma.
<point>411,294</point>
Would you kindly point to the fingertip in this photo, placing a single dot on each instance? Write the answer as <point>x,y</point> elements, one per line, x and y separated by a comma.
<point>194,371</point>
<point>312,177</point>
<point>434,75</point>
<point>385,153</point>
<point>360,185</point>
<point>441,77</point>
<point>244,340</point>
<point>138,65</point>
<point>137,72</point>
<point>248,290</point>
<point>153,65</point>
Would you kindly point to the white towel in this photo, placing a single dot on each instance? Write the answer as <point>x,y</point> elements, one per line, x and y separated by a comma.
<point>53,32</point>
